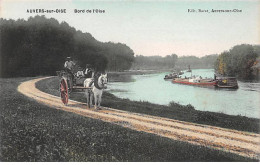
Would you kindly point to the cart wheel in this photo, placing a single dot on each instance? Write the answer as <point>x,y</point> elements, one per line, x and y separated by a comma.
<point>64,94</point>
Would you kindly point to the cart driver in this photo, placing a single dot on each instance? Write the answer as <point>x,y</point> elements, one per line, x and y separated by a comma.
<point>68,66</point>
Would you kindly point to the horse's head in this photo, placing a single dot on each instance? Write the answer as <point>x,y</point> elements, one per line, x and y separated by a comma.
<point>103,80</point>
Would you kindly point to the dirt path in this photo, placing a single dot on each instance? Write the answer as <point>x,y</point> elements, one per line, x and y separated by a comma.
<point>242,143</point>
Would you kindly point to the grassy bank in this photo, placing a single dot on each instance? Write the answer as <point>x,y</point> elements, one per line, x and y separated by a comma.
<point>34,132</point>
<point>173,111</point>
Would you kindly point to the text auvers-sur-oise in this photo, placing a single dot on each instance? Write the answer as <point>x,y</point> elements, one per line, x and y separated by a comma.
<point>46,11</point>
<point>64,11</point>
<point>214,11</point>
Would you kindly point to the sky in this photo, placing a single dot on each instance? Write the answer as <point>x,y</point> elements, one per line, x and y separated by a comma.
<point>154,27</point>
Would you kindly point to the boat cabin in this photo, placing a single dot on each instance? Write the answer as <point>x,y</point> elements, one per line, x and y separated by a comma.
<point>227,82</point>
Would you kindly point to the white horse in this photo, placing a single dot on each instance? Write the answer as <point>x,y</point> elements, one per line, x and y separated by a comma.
<point>97,89</point>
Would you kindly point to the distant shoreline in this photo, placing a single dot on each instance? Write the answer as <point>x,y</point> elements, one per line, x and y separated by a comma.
<point>147,71</point>
<point>137,72</point>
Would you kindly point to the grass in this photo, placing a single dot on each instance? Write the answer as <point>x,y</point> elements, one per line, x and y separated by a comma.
<point>34,132</point>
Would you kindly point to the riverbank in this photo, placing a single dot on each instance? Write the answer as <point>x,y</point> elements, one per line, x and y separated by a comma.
<point>31,131</point>
<point>173,111</point>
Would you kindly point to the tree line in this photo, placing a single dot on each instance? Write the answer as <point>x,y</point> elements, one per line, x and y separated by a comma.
<point>154,62</point>
<point>39,46</point>
<point>238,61</point>
<point>205,62</point>
<point>170,62</point>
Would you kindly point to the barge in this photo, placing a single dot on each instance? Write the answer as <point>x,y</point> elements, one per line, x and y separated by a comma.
<point>174,74</point>
<point>171,76</point>
<point>219,82</point>
<point>198,81</point>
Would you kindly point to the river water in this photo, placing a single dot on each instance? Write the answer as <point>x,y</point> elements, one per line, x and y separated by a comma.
<point>153,88</point>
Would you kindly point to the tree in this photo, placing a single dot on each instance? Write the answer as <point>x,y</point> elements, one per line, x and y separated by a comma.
<point>238,61</point>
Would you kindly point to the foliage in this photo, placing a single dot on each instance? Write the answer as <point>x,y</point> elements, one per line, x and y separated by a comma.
<point>173,61</point>
<point>204,62</point>
<point>237,61</point>
<point>39,46</point>
<point>154,62</point>
<point>120,56</point>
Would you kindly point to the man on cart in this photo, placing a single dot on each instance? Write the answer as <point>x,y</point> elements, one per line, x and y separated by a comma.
<point>68,66</point>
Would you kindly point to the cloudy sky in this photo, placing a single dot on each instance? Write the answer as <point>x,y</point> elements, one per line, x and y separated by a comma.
<point>154,27</point>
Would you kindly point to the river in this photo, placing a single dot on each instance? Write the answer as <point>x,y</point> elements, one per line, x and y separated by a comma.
<point>153,88</point>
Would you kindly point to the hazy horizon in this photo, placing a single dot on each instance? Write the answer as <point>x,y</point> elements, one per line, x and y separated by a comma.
<point>154,28</point>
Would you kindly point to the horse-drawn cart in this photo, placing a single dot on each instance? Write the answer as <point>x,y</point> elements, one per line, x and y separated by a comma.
<point>68,85</point>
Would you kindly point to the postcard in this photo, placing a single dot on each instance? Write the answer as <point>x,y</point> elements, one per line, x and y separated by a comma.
<point>130,81</point>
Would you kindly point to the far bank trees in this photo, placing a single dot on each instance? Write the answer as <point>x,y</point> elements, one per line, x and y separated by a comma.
<point>174,62</point>
<point>154,62</point>
<point>238,61</point>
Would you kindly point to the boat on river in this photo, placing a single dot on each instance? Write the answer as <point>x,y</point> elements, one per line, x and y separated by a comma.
<point>219,82</point>
<point>174,74</point>
<point>189,70</point>
<point>226,82</point>
<point>195,80</point>
<point>171,76</point>
<point>181,73</point>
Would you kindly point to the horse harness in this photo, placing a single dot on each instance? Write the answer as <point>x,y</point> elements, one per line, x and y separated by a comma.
<point>96,84</point>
